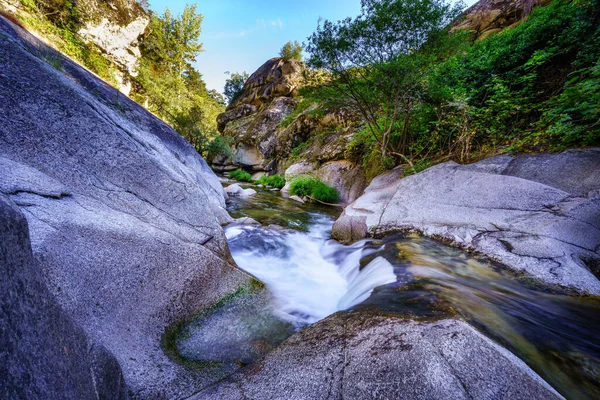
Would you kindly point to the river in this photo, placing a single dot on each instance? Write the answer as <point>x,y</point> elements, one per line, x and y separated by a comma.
<point>311,276</point>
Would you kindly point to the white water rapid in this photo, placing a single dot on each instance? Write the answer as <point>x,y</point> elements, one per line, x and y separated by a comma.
<point>310,276</point>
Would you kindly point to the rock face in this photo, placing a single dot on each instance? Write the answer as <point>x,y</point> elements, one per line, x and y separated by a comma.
<point>537,213</point>
<point>263,143</point>
<point>362,356</point>
<point>487,17</point>
<point>275,78</point>
<point>253,118</point>
<point>41,346</point>
<point>115,26</point>
<point>123,216</point>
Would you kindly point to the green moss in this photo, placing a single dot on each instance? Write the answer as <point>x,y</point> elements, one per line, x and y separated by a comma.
<point>173,332</point>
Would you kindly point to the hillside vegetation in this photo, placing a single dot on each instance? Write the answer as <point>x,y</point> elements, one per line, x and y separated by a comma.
<point>163,80</point>
<point>426,93</point>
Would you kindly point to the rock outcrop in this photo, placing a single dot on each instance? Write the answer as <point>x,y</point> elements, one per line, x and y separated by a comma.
<point>535,213</point>
<point>363,356</point>
<point>115,26</point>
<point>254,116</point>
<point>111,27</point>
<point>263,143</point>
<point>124,218</point>
<point>487,17</point>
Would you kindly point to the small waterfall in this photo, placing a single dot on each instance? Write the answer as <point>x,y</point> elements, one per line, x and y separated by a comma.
<point>310,277</point>
<point>377,273</point>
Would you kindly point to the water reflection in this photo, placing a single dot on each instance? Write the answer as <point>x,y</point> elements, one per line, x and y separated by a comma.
<point>554,333</point>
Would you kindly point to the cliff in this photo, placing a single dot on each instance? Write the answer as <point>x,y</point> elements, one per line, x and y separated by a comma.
<point>108,31</point>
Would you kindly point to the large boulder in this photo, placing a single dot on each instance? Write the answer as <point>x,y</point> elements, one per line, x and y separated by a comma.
<point>364,356</point>
<point>275,78</point>
<point>124,216</point>
<point>45,355</point>
<point>535,213</point>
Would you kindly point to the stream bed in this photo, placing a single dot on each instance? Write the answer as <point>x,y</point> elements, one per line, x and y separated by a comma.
<point>311,276</point>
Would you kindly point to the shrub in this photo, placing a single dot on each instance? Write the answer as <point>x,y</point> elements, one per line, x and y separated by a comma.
<point>276,181</point>
<point>218,146</point>
<point>314,188</point>
<point>325,193</point>
<point>240,175</point>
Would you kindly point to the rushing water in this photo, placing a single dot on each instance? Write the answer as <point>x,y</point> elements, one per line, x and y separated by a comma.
<point>311,277</point>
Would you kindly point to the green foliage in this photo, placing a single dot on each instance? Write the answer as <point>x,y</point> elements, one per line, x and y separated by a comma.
<point>325,193</point>
<point>314,188</point>
<point>297,151</point>
<point>377,61</point>
<point>240,175</point>
<point>218,146</point>
<point>168,82</point>
<point>276,181</point>
<point>291,51</point>
<point>431,95</point>
<point>531,87</point>
<point>234,85</point>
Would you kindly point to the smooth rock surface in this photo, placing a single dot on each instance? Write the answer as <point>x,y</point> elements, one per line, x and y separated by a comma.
<point>537,213</point>
<point>40,346</point>
<point>123,214</point>
<point>237,190</point>
<point>362,356</point>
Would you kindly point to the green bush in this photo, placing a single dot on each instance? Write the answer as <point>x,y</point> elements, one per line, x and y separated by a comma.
<point>325,193</point>
<point>218,146</point>
<point>240,175</point>
<point>276,181</point>
<point>314,188</point>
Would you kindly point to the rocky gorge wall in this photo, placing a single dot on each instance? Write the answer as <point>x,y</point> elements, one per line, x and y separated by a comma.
<point>263,142</point>
<point>113,27</point>
<point>124,221</point>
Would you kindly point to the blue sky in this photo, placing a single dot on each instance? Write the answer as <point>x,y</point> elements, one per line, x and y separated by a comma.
<point>240,35</point>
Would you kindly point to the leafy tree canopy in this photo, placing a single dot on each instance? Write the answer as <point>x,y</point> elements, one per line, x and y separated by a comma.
<point>377,61</point>
<point>167,81</point>
<point>234,85</point>
<point>291,51</point>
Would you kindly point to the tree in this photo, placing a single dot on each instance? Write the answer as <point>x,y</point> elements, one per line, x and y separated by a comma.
<point>291,51</point>
<point>377,61</point>
<point>173,88</point>
<point>234,85</point>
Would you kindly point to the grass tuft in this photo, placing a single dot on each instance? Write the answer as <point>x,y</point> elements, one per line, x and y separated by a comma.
<point>240,175</point>
<point>314,188</point>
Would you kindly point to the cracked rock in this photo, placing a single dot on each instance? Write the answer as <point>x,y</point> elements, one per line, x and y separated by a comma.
<point>364,356</point>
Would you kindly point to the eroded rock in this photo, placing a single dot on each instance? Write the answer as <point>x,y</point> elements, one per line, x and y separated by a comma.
<point>363,356</point>
<point>539,213</point>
